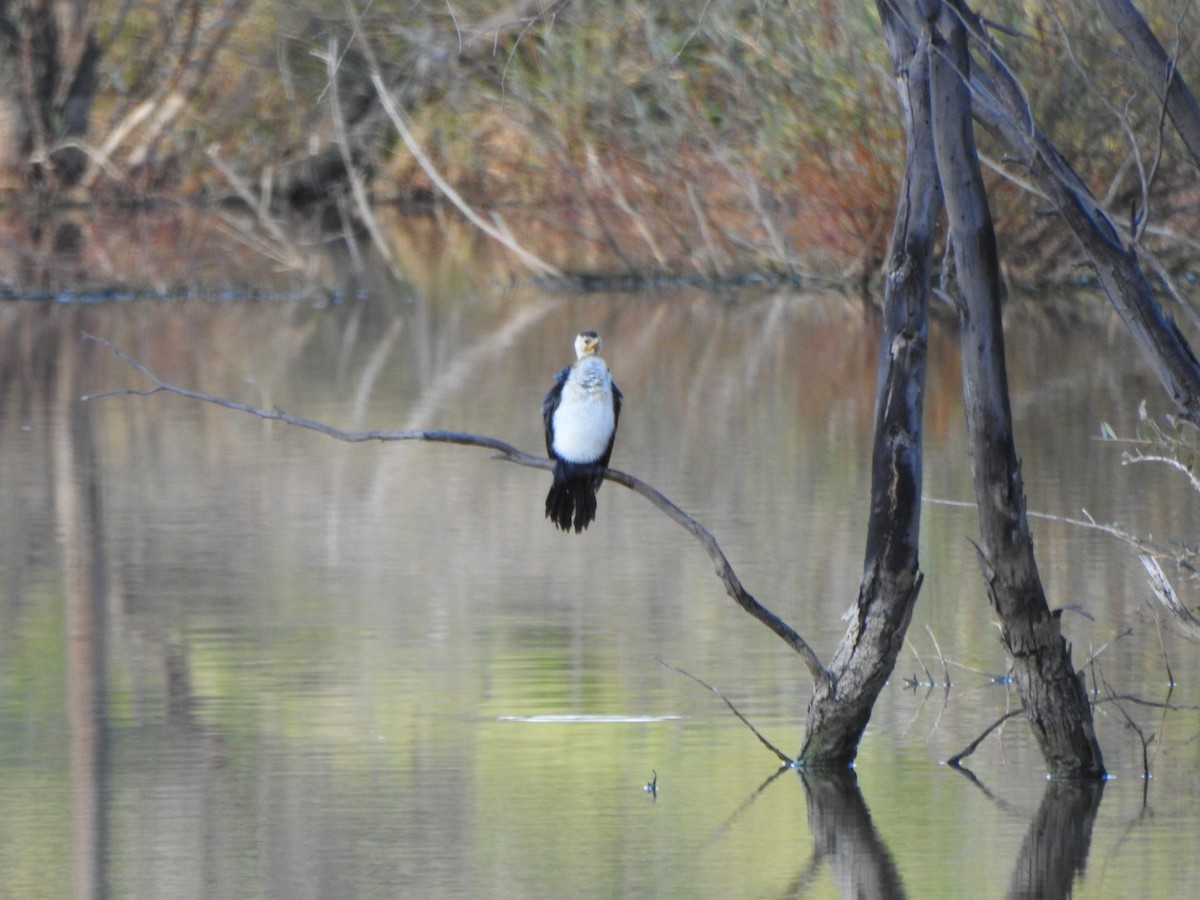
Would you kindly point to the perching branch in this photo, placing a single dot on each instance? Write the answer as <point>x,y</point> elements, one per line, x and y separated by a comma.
<point>508,453</point>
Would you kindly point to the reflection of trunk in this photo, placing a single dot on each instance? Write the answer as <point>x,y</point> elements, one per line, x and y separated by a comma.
<point>77,504</point>
<point>48,60</point>
<point>1057,843</point>
<point>1053,695</point>
<point>840,709</point>
<point>844,835</point>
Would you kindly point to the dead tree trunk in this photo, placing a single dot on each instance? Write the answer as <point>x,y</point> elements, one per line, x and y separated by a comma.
<point>928,40</point>
<point>1052,692</point>
<point>841,707</point>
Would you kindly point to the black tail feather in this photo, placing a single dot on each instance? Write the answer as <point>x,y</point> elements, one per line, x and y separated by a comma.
<point>572,498</point>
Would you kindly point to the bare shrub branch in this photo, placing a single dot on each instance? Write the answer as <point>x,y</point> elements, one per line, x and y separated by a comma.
<point>498,234</point>
<point>1182,618</point>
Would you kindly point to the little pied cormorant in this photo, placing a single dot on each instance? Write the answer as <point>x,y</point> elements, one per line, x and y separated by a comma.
<point>581,413</point>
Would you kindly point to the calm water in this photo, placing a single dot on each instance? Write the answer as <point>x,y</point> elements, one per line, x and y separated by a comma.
<point>242,660</point>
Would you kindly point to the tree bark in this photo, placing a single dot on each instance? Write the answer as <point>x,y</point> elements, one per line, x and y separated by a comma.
<point>841,707</point>
<point>1053,694</point>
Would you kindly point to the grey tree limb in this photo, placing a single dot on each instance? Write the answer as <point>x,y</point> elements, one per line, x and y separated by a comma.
<point>783,757</point>
<point>508,453</point>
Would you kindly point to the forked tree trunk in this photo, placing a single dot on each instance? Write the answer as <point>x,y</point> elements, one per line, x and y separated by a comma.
<point>1055,700</point>
<point>928,44</point>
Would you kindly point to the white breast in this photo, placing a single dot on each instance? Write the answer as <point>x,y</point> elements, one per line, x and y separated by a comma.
<point>584,422</point>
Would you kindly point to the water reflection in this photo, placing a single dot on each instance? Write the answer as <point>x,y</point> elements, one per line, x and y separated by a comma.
<point>845,839</point>
<point>1058,841</point>
<point>80,523</point>
<point>239,660</point>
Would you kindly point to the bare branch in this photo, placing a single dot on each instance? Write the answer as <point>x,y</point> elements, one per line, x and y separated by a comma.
<point>1095,654</point>
<point>1132,539</point>
<point>733,587</point>
<point>1129,723</point>
<point>279,247</point>
<point>957,758</point>
<point>353,175</point>
<point>1154,704</point>
<point>508,453</point>
<point>784,758</point>
<point>1167,461</point>
<point>942,659</point>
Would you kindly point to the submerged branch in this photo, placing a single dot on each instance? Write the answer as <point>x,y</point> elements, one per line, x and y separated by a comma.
<point>957,758</point>
<point>508,453</point>
<point>783,757</point>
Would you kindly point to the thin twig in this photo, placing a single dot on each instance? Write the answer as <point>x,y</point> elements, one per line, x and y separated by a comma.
<point>784,758</point>
<point>279,247</point>
<point>958,757</point>
<point>1089,522</point>
<point>353,176</point>
<point>508,453</point>
<point>1162,647</point>
<point>1165,460</point>
<point>596,168</point>
<point>914,682</point>
<point>1146,741</point>
<point>1095,654</point>
<point>1155,704</point>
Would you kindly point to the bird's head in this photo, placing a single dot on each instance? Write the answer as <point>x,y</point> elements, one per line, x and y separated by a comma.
<point>587,343</point>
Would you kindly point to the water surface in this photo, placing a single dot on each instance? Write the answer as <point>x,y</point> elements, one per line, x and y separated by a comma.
<point>239,659</point>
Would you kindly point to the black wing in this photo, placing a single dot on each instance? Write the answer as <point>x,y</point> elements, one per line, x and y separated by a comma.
<point>550,404</point>
<point>617,397</point>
